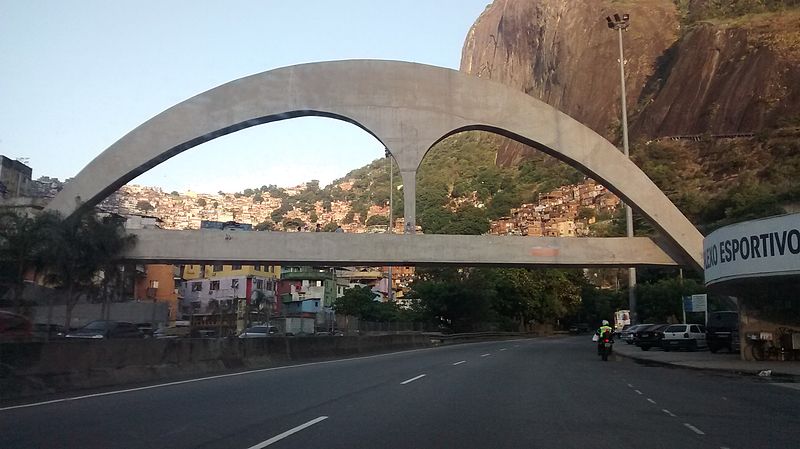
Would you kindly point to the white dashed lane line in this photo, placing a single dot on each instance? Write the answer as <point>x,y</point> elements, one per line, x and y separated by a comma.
<point>484,355</point>
<point>694,429</point>
<point>289,432</point>
<point>651,401</point>
<point>638,392</point>
<point>669,413</point>
<point>412,379</point>
<point>502,349</point>
<point>459,363</point>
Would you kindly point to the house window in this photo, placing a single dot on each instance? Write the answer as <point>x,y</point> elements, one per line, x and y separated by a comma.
<point>197,286</point>
<point>214,285</point>
<point>153,284</point>
<point>218,267</point>
<point>237,267</point>
<point>259,284</point>
<point>234,283</point>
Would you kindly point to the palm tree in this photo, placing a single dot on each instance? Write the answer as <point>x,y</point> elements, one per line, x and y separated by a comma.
<point>23,244</point>
<point>84,244</point>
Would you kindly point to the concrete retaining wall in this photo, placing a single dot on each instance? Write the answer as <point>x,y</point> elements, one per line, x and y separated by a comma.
<point>33,369</point>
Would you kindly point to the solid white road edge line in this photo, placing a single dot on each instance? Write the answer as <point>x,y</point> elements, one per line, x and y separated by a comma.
<point>220,376</point>
<point>412,379</point>
<point>283,435</point>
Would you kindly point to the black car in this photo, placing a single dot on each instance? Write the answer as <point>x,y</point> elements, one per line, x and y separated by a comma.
<point>650,336</point>
<point>722,331</point>
<point>103,329</point>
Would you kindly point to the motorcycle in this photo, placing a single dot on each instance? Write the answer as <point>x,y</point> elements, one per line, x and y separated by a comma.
<point>606,345</point>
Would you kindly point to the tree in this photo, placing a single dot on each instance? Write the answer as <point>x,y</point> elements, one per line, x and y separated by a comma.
<point>360,302</point>
<point>201,202</point>
<point>82,244</point>
<point>257,198</point>
<point>23,244</point>
<point>312,217</point>
<point>330,226</point>
<point>144,206</point>
<point>378,220</point>
<point>586,213</point>
<point>266,225</point>
<point>293,223</point>
<point>175,193</point>
<point>248,192</point>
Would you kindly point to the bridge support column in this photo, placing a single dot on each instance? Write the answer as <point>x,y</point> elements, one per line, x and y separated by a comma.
<point>409,200</point>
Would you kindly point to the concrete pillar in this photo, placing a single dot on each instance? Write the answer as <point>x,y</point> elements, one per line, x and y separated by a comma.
<point>409,199</point>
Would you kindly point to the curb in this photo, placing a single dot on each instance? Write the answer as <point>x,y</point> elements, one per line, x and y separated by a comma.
<point>730,371</point>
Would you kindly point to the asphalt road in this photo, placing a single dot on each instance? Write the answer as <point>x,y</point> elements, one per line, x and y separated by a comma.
<point>540,393</point>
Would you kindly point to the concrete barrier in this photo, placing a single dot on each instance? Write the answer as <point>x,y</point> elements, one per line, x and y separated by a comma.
<point>35,369</point>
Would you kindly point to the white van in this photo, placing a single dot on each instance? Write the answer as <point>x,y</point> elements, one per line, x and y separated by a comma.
<point>689,336</point>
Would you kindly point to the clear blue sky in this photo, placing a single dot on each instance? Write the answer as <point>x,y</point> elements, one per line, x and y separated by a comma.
<point>77,75</point>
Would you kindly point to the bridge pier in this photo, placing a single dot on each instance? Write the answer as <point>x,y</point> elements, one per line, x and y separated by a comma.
<point>409,200</point>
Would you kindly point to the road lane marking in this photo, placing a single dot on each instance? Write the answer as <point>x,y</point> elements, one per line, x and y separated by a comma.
<point>651,401</point>
<point>502,349</point>
<point>638,392</point>
<point>484,355</point>
<point>630,386</point>
<point>669,413</point>
<point>459,363</point>
<point>219,376</point>
<point>693,429</point>
<point>283,435</point>
<point>412,379</point>
<point>786,385</point>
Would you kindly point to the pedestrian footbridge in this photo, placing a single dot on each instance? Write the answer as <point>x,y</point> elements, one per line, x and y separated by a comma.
<point>408,107</point>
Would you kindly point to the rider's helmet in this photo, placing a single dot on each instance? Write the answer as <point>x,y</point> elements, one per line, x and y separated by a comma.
<point>605,322</point>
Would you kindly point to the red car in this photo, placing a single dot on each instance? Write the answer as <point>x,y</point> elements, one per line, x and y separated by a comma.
<point>14,327</point>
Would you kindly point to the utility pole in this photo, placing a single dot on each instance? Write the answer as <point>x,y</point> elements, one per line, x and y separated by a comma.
<point>618,23</point>
<point>391,227</point>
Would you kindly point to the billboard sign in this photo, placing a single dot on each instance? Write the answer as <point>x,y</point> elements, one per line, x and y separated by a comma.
<point>767,247</point>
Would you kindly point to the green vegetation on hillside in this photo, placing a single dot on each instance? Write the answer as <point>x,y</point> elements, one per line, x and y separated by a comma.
<point>694,11</point>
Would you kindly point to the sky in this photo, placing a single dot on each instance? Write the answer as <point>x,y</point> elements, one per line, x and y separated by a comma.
<point>78,75</point>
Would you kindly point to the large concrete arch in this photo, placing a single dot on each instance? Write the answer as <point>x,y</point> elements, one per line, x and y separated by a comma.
<point>407,106</point>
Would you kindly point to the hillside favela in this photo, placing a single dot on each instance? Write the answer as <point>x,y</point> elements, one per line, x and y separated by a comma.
<point>482,223</point>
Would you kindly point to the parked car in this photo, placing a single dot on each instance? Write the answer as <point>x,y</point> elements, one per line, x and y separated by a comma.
<point>579,328</point>
<point>43,331</point>
<point>689,336</point>
<point>259,332</point>
<point>14,327</point>
<point>723,331</point>
<point>618,334</point>
<point>627,334</point>
<point>172,332</point>
<point>650,336</point>
<point>105,329</point>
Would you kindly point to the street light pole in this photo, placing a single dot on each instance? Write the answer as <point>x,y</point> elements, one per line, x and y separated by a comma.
<point>618,23</point>
<point>391,228</point>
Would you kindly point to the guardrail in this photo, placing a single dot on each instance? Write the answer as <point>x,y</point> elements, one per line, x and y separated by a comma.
<point>439,338</point>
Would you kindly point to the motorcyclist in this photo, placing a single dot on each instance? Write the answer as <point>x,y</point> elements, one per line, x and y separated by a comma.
<point>605,331</point>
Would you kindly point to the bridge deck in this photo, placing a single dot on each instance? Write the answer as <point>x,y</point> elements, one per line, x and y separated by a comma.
<point>323,248</point>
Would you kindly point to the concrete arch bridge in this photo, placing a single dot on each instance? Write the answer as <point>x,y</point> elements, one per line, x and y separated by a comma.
<point>409,108</point>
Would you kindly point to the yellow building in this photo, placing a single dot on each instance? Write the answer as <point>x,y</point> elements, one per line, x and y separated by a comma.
<point>192,272</point>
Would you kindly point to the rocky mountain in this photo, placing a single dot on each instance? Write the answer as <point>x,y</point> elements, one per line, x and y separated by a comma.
<point>692,66</point>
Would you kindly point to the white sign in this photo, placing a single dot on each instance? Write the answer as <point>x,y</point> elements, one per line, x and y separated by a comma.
<point>767,247</point>
<point>699,303</point>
